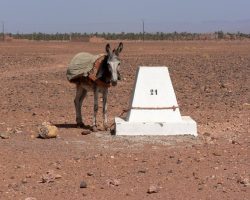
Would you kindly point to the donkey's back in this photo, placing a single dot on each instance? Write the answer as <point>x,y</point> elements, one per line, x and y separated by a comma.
<point>81,65</point>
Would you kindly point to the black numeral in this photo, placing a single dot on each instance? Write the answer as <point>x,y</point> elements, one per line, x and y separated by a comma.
<point>153,92</point>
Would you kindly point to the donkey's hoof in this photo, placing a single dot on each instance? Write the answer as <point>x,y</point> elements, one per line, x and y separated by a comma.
<point>94,129</point>
<point>82,125</point>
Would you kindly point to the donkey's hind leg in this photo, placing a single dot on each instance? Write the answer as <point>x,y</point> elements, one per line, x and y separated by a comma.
<point>96,91</point>
<point>80,95</point>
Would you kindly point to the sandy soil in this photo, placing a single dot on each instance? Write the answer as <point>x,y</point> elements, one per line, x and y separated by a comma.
<point>211,80</point>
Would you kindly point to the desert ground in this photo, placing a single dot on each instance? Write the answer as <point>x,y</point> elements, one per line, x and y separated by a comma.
<point>211,81</point>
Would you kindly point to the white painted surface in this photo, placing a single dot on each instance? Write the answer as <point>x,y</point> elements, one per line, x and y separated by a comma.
<point>151,103</point>
<point>186,126</point>
<point>153,89</point>
<point>165,115</point>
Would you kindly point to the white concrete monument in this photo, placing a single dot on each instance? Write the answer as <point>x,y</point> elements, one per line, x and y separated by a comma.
<point>154,109</point>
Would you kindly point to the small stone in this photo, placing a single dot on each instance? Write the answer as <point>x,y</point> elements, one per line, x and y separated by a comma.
<point>18,166</point>
<point>234,142</point>
<point>244,181</point>
<point>153,189</point>
<point>142,171</point>
<point>86,132</point>
<point>59,167</point>
<point>24,181</point>
<point>83,184</point>
<point>30,198</point>
<point>114,182</point>
<point>32,136</point>
<point>246,105</point>
<point>200,188</point>
<point>47,131</point>
<point>49,177</point>
<point>179,161</point>
<point>195,175</point>
<point>28,176</point>
<point>90,173</point>
<point>57,176</point>
<point>77,159</point>
<point>5,135</point>
<point>216,154</point>
<point>197,159</point>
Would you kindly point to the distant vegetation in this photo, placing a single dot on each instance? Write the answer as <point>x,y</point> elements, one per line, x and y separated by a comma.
<point>127,36</point>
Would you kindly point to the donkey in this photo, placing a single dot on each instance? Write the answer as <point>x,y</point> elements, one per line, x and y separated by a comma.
<point>108,74</point>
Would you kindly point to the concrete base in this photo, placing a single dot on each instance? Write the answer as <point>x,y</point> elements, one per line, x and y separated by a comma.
<point>187,126</point>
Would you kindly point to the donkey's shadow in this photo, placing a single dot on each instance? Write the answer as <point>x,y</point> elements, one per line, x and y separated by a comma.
<point>65,125</point>
<point>71,126</point>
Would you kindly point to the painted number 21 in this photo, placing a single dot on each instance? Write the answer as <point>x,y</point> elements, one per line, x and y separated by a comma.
<point>153,92</point>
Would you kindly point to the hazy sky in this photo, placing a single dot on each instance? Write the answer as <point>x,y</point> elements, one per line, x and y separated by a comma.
<point>125,15</point>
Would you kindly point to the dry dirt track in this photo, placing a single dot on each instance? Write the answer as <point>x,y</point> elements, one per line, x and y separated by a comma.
<point>211,80</point>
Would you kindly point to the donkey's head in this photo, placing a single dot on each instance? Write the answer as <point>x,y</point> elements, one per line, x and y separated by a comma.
<point>113,62</point>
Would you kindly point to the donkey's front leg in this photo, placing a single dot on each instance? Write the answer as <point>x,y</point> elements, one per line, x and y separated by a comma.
<point>95,108</point>
<point>104,98</point>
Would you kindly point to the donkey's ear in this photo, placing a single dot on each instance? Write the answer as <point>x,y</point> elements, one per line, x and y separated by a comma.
<point>108,49</point>
<point>119,48</point>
